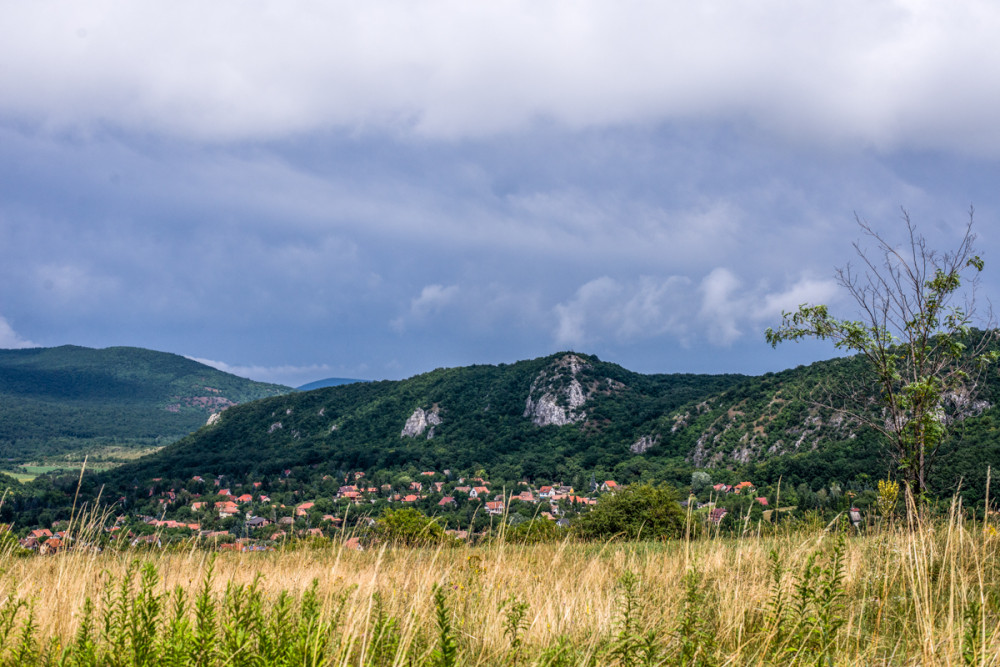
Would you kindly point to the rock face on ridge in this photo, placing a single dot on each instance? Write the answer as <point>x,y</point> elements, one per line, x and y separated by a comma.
<point>556,394</point>
<point>420,421</point>
<point>644,444</point>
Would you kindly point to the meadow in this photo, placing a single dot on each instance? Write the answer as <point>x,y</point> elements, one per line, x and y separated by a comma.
<point>913,593</point>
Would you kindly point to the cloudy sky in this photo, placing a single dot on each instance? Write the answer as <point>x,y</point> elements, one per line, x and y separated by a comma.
<point>295,190</point>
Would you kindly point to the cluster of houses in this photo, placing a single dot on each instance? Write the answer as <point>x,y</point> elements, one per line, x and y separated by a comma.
<point>224,503</point>
<point>44,540</point>
<point>359,492</point>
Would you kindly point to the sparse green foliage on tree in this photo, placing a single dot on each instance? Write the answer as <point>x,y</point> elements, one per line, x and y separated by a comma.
<point>917,312</point>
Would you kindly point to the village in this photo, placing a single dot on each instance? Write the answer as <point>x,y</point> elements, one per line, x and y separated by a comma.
<point>250,516</point>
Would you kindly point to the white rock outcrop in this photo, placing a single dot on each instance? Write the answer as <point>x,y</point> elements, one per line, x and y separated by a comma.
<point>556,395</point>
<point>643,444</point>
<point>214,418</point>
<point>421,421</point>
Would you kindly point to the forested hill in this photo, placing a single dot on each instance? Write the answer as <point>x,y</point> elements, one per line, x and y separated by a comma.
<point>565,417</point>
<point>74,399</point>
<point>546,417</point>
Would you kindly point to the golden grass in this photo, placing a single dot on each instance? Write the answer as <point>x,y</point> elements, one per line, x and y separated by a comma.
<point>907,593</point>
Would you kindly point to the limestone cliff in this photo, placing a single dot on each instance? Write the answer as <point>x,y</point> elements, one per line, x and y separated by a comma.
<point>558,392</point>
<point>422,421</point>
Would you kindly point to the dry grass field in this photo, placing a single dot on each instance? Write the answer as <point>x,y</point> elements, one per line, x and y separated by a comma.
<point>913,594</point>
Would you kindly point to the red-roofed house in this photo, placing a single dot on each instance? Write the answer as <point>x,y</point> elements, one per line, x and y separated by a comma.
<point>227,508</point>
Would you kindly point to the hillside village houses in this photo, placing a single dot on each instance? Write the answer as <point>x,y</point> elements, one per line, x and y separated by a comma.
<point>248,517</point>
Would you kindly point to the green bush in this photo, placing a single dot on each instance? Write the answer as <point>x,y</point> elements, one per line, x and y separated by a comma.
<point>636,511</point>
<point>409,527</point>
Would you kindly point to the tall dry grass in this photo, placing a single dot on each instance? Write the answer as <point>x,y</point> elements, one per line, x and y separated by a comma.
<point>920,592</point>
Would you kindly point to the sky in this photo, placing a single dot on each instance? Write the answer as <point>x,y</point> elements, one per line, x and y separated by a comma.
<point>291,190</point>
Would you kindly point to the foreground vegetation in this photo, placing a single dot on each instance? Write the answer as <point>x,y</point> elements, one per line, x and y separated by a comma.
<point>911,593</point>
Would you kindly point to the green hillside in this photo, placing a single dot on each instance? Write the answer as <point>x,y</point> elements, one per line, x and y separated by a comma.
<point>70,400</point>
<point>481,418</point>
<point>565,417</point>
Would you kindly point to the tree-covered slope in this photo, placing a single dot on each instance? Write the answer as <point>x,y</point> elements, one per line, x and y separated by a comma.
<point>549,417</point>
<point>70,399</point>
<point>564,417</point>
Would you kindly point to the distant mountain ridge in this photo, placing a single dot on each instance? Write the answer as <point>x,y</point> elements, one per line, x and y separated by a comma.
<point>72,399</point>
<point>327,382</point>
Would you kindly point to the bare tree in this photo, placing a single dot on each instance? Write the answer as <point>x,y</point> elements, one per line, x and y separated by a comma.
<point>917,310</point>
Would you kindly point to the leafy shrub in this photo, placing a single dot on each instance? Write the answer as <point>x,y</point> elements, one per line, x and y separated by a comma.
<point>409,527</point>
<point>636,511</point>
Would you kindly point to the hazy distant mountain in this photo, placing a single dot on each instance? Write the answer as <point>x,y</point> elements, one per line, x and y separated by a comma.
<point>328,382</point>
<point>68,399</point>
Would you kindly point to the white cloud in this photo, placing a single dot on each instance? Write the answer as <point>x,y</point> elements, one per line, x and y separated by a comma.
<point>805,291</point>
<point>10,340</point>
<point>431,301</point>
<point>721,309</point>
<point>888,72</point>
<point>605,308</point>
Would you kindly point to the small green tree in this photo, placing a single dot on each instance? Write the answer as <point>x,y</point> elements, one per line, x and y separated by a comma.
<point>917,309</point>
<point>636,511</point>
<point>700,480</point>
<point>409,527</point>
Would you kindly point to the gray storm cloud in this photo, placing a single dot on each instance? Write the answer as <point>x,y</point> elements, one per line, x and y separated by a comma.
<point>304,186</point>
<point>885,73</point>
